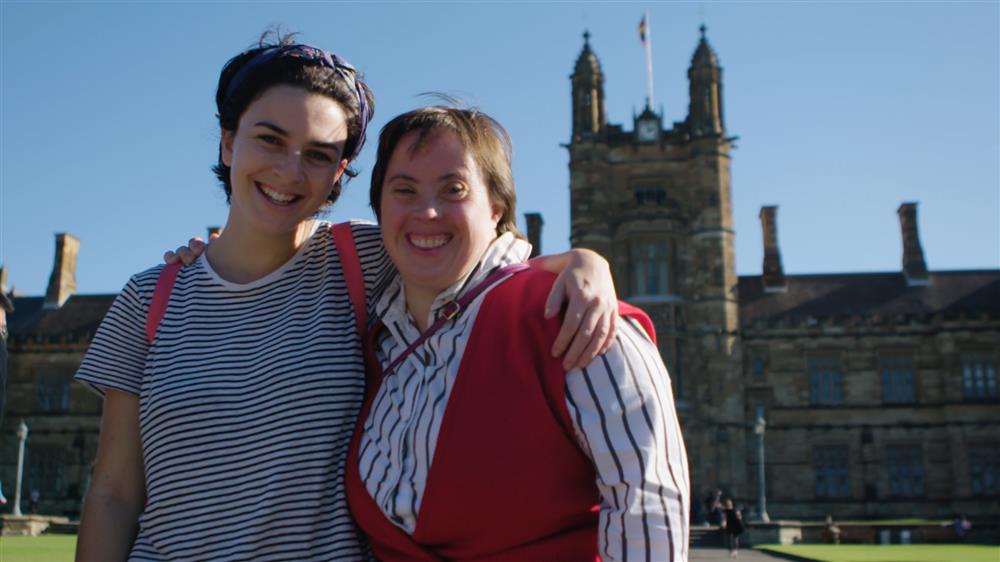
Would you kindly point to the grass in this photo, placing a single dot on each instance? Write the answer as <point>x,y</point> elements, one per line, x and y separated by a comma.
<point>911,522</point>
<point>45,548</point>
<point>889,553</point>
<point>60,548</point>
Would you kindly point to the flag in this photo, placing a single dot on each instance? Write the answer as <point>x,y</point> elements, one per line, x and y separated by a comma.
<point>642,30</point>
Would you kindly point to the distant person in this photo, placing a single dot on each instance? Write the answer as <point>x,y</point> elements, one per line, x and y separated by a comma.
<point>833,530</point>
<point>33,498</point>
<point>733,523</point>
<point>961,525</point>
<point>3,499</point>
<point>715,508</point>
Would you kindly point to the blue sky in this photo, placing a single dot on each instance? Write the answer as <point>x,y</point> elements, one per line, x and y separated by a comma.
<point>844,110</point>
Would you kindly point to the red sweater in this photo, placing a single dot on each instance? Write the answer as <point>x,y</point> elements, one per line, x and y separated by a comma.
<point>508,480</point>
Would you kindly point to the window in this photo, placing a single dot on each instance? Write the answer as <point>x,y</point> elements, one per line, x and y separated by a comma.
<point>650,196</point>
<point>830,464</point>
<point>45,471</point>
<point>650,267</point>
<point>897,379</point>
<point>52,391</point>
<point>979,376</point>
<point>825,384</point>
<point>984,470</point>
<point>906,471</point>
<point>757,364</point>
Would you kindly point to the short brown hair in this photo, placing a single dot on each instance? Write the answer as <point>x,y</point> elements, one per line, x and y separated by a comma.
<point>485,139</point>
<point>310,75</point>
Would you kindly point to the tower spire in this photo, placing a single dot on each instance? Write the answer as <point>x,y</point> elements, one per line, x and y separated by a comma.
<point>705,116</point>
<point>588,93</point>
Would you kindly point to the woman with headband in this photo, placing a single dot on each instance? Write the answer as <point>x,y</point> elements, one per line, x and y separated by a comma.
<point>231,387</point>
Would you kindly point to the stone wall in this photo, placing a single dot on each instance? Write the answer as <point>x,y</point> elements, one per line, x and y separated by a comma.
<point>63,428</point>
<point>941,423</point>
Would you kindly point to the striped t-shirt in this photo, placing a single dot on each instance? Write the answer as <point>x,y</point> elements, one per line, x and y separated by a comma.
<point>248,397</point>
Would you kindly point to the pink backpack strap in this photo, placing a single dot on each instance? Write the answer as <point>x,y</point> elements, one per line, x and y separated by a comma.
<point>161,295</point>
<point>343,238</point>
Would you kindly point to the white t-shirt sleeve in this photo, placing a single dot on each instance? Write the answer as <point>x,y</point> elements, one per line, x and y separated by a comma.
<point>376,266</point>
<point>117,355</point>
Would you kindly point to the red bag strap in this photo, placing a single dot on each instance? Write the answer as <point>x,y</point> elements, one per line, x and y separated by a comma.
<point>343,238</point>
<point>453,308</point>
<point>161,295</point>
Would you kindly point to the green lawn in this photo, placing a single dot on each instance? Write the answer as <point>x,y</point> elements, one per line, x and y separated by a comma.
<point>908,522</point>
<point>46,548</point>
<point>890,553</point>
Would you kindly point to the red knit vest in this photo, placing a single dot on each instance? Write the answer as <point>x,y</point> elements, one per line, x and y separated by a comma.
<point>508,480</point>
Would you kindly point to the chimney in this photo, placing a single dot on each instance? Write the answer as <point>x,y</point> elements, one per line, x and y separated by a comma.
<point>914,266</point>
<point>213,230</point>
<point>62,282</point>
<point>773,274</point>
<point>535,224</point>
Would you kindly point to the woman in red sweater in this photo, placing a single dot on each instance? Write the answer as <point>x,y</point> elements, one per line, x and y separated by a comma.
<point>474,443</point>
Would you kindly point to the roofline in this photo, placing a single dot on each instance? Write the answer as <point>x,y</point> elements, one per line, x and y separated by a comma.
<point>873,273</point>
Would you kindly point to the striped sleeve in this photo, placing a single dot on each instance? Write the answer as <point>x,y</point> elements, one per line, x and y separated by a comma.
<point>376,266</point>
<point>116,358</point>
<point>623,413</point>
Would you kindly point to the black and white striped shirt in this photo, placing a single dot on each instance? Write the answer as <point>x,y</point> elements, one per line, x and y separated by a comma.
<point>621,404</point>
<point>248,398</point>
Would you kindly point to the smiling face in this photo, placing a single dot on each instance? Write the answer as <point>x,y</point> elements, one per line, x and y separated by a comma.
<point>436,215</point>
<point>284,157</point>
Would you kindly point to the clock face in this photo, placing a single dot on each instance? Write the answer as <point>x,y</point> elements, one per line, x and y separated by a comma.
<point>648,130</point>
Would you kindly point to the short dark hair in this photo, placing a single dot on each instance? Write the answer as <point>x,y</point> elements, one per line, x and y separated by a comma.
<point>485,139</point>
<point>310,75</point>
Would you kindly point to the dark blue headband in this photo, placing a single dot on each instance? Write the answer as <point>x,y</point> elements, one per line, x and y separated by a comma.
<point>307,52</point>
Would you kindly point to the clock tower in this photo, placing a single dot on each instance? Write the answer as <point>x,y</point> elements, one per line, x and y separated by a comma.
<point>656,202</point>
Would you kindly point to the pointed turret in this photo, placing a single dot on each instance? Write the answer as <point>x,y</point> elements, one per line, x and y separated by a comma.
<point>588,93</point>
<point>705,78</point>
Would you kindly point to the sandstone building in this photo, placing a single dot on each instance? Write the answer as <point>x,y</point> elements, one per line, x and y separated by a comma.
<point>48,337</point>
<point>879,389</point>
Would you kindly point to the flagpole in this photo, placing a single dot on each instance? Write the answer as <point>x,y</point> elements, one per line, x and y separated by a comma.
<point>649,62</point>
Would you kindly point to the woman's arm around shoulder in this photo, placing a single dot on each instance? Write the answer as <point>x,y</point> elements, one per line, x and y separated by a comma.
<point>117,494</point>
<point>622,408</point>
<point>586,287</point>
